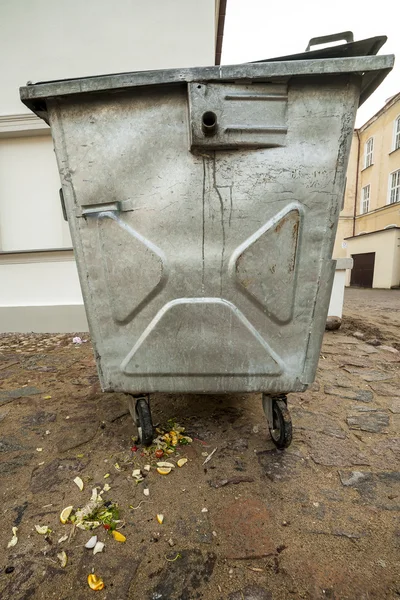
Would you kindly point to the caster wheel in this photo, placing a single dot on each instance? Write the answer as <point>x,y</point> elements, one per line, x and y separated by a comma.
<point>141,415</point>
<point>279,421</point>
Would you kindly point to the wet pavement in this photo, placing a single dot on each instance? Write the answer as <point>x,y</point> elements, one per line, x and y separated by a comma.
<point>320,520</point>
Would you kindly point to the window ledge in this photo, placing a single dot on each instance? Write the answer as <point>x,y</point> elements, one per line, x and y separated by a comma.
<point>369,166</point>
<point>395,150</point>
<point>22,125</point>
<point>34,256</point>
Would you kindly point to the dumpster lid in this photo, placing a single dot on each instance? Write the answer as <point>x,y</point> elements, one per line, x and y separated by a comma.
<point>367,47</point>
<point>351,57</point>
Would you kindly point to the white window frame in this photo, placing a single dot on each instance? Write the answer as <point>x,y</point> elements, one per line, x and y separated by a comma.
<point>364,206</point>
<point>395,189</point>
<point>369,152</point>
<point>396,134</point>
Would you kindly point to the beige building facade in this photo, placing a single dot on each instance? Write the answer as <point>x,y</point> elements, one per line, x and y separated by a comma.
<point>369,224</point>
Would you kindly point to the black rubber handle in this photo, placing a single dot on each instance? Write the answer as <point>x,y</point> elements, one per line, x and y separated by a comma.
<point>347,36</point>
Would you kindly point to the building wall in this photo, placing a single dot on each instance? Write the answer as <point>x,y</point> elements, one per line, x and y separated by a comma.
<point>384,162</point>
<point>381,214</point>
<point>386,245</point>
<point>50,39</point>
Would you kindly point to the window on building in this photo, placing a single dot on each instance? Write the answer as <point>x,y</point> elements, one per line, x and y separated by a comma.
<point>366,192</point>
<point>368,152</point>
<point>396,136</point>
<point>394,187</point>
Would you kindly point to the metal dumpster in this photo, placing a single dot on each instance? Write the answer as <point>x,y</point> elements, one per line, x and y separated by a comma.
<point>203,206</point>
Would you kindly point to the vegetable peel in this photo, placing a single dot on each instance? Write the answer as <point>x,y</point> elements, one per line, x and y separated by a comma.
<point>14,538</point>
<point>63,558</point>
<point>118,537</point>
<point>79,483</point>
<point>95,582</point>
<point>42,529</point>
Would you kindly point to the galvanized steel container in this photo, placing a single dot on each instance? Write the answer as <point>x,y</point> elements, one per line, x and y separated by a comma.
<point>203,205</point>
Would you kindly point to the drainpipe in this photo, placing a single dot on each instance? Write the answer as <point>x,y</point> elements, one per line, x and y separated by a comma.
<point>356,194</point>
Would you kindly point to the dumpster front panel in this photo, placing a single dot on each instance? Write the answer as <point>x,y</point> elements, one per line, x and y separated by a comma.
<point>206,268</point>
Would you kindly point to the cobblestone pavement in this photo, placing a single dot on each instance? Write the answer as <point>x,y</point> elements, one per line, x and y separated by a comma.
<point>320,520</point>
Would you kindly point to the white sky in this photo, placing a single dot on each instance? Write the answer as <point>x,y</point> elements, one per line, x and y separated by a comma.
<point>257,29</point>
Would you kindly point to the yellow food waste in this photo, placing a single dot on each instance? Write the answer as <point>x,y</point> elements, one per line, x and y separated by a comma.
<point>95,582</point>
<point>65,513</point>
<point>118,536</point>
<point>160,519</point>
<point>164,471</point>
<point>181,462</point>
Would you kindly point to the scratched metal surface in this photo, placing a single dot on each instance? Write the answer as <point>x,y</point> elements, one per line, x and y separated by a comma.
<point>206,269</point>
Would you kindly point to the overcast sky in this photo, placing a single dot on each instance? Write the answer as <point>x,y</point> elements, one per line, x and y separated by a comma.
<point>257,29</point>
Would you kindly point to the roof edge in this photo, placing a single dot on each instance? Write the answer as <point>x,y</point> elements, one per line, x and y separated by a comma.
<point>220,30</point>
<point>388,104</point>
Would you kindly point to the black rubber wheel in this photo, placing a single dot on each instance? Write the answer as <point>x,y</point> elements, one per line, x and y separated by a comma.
<point>144,422</point>
<point>281,430</point>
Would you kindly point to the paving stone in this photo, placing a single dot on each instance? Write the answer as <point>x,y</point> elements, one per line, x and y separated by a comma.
<point>377,376</point>
<point>389,349</point>
<point>110,407</point>
<point>195,527</point>
<point>239,445</point>
<point>76,434</point>
<point>374,342</point>
<point>6,365</point>
<point>10,445</point>
<point>359,335</point>
<point>346,340</point>
<point>385,389</point>
<point>251,592</point>
<point>21,585</point>
<point>360,395</point>
<point>49,477</point>
<point>279,465</point>
<point>11,465</point>
<point>39,418</point>
<point>394,407</point>
<point>246,530</point>
<point>313,421</point>
<point>382,490</point>
<point>373,422</point>
<point>389,450</point>
<point>184,578</point>
<point>363,409</point>
<point>330,451</point>
<point>367,349</point>
<point>353,361</point>
<point>352,478</point>
<point>10,395</point>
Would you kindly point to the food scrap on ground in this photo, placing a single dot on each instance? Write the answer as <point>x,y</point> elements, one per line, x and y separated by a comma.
<point>160,519</point>
<point>98,547</point>
<point>118,537</point>
<point>95,582</point>
<point>14,538</point>
<point>62,557</point>
<point>65,513</point>
<point>79,483</point>
<point>42,529</point>
<point>209,457</point>
<point>92,542</point>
